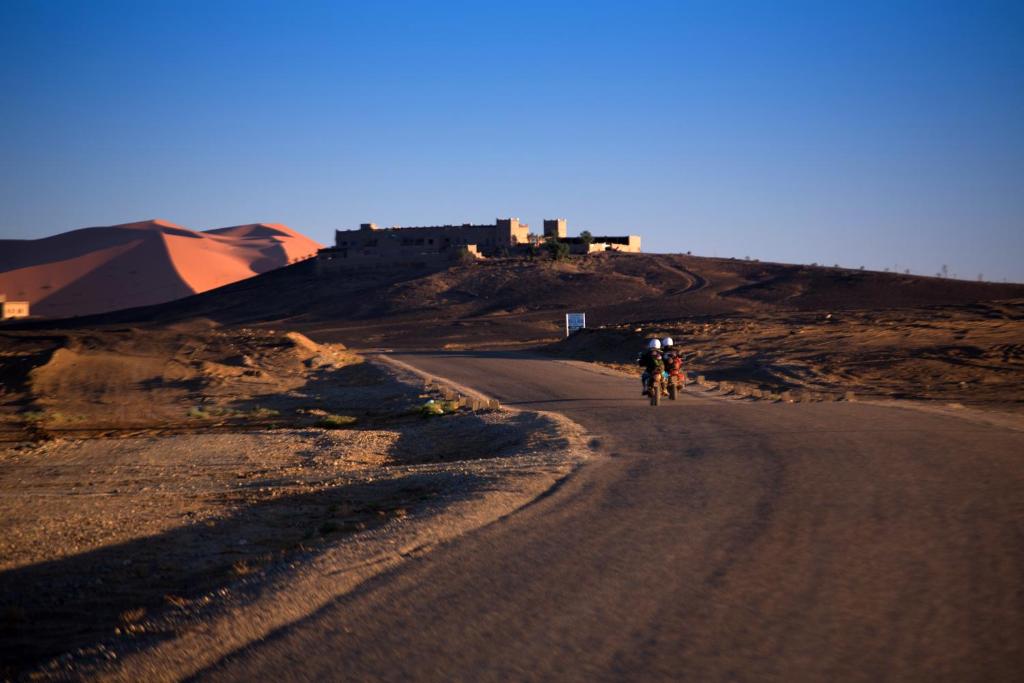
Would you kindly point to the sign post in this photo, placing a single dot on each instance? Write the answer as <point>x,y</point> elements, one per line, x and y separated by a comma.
<point>574,321</point>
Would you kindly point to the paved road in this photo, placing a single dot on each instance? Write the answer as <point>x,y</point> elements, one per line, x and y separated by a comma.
<point>708,540</point>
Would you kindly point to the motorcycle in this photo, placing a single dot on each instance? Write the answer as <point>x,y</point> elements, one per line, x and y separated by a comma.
<point>656,387</point>
<point>676,381</point>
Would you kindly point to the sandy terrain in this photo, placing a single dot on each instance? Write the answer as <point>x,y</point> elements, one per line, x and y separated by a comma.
<point>65,382</point>
<point>188,375</point>
<point>971,355</point>
<point>153,481</point>
<point>94,270</point>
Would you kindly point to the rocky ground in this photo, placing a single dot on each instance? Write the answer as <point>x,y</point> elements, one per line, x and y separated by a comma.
<point>155,481</point>
<point>86,382</point>
<point>968,354</point>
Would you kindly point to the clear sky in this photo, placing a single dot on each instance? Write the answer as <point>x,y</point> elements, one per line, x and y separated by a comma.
<point>881,134</point>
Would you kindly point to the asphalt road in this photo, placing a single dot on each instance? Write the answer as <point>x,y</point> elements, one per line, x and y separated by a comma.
<point>707,540</point>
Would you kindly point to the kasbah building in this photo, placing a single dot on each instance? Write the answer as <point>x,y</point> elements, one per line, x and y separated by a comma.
<point>443,244</point>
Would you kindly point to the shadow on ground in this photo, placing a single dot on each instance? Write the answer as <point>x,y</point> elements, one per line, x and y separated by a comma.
<point>58,606</point>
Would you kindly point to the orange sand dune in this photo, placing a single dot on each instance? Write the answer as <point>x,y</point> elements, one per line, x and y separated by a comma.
<point>94,270</point>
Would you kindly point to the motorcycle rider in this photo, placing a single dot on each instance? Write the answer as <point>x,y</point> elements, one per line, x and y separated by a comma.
<point>673,361</point>
<point>650,360</point>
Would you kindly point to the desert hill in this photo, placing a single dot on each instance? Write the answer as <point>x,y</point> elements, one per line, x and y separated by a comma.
<point>775,326</point>
<point>520,301</point>
<point>100,269</point>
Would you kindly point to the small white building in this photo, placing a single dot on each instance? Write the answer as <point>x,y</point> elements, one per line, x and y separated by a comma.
<point>12,309</point>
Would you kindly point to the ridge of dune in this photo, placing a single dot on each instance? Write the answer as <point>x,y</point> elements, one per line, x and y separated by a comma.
<point>105,268</point>
<point>266,243</point>
<point>254,230</point>
<point>150,223</point>
<point>207,264</point>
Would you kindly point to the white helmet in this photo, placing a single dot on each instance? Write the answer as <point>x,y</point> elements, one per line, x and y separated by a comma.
<point>667,341</point>
<point>654,344</point>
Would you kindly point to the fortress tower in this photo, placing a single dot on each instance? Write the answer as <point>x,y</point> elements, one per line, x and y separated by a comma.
<point>555,227</point>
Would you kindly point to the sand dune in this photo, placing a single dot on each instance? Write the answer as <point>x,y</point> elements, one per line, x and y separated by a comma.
<point>95,270</point>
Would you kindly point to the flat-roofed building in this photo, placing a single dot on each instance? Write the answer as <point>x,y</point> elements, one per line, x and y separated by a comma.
<point>558,228</point>
<point>424,245</point>
<point>13,309</point>
<point>440,245</point>
<point>629,244</point>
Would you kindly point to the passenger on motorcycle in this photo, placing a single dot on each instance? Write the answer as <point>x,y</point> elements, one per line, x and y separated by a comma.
<point>650,360</point>
<point>673,361</point>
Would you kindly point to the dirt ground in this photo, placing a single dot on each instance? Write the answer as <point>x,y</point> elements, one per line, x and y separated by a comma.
<point>144,474</point>
<point>969,354</point>
<point>514,301</point>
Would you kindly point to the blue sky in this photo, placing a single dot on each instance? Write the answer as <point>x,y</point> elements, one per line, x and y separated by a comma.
<point>880,134</point>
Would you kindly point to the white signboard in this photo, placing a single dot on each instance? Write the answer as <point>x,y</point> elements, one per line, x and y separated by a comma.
<point>574,321</point>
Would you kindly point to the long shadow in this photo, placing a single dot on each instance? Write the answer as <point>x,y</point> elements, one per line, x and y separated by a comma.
<point>360,390</point>
<point>468,436</point>
<point>58,606</point>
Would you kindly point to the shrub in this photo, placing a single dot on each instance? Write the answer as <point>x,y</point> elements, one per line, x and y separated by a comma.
<point>431,408</point>
<point>337,421</point>
<point>557,249</point>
